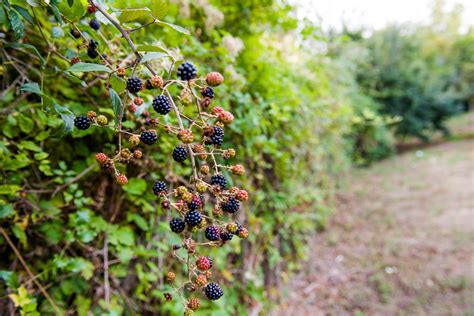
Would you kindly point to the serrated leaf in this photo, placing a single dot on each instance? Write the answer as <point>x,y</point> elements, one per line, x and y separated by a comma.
<point>159,8</point>
<point>74,12</point>
<point>16,25</point>
<point>68,119</point>
<point>175,27</point>
<point>88,67</point>
<point>151,48</point>
<point>24,13</point>
<point>116,104</point>
<point>57,32</point>
<point>128,15</point>
<point>152,56</point>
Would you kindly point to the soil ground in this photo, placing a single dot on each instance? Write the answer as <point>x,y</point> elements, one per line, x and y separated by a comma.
<point>401,242</point>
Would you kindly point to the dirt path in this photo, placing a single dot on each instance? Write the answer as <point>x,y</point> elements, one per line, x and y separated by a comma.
<point>401,243</point>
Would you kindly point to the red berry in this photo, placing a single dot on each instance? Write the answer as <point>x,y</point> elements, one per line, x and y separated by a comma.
<point>238,170</point>
<point>91,9</point>
<point>75,60</point>
<point>217,110</point>
<point>137,153</point>
<point>226,117</point>
<point>242,195</point>
<point>214,79</point>
<point>101,158</point>
<point>203,263</point>
<point>132,108</point>
<point>201,280</point>
<point>193,304</point>
<point>138,101</point>
<point>121,179</point>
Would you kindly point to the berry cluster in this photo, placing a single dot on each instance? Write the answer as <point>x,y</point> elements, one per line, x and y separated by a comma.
<point>198,203</point>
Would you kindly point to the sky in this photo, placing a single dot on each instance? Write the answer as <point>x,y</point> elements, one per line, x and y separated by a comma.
<point>374,14</point>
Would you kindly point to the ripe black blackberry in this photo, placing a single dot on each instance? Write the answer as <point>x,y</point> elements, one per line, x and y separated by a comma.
<point>94,24</point>
<point>82,122</point>
<point>195,203</point>
<point>218,137</point>
<point>93,44</point>
<point>193,218</point>
<point>162,104</point>
<point>232,205</point>
<point>177,225</point>
<point>149,85</point>
<point>212,233</point>
<point>220,180</point>
<point>148,137</point>
<point>208,92</point>
<point>187,71</point>
<point>75,33</point>
<point>213,291</point>
<point>159,187</point>
<point>180,154</point>
<point>92,52</point>
<point>226,236</point>
<point>134,84</point>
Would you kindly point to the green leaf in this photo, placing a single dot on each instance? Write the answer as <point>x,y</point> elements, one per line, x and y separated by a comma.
<point>10,278</point>
<point>151,48</point>
<point>56,13</point>
<point>29,145</point>
<point>139,220</point>
<point>175,27</point>
<point>16,24</point>
<point>159,8</point>
<point>24,13</point>
<point>9,189</point>
<point>135,186</point>
<point>152,56</point>
<point>27,46</point>
<point>26,124</point>
<point>88,67</point>
<point>70,2</point>
<point>74,12</point>
<point>6,211</point>
<point>117,83</point>
<point>3,16</point>
<point>116,104</point>
<point>128,15</point>
<point>41,155</point>
<point>68,119</point>
<point>57,32</point>
<point>32,87</point>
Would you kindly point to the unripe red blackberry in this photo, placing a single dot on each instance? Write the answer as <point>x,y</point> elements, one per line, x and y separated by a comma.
<point>137,153</point>
<point>134,84</point>
<point>238,170</point>
<point>213,291</point>
<point>200,150</point>
<point>91,9</point>
<point>168,296</point>
<point>217,110</point>
<point>101,158</point>
<point>242,195</point>
<point>157,82</point>
<point>180,154</point>
<point>219,179</point>
<point>91,115</point>
<point>134,140</point>
<point>193,218</point>
<point>229,153</point>
<point>226,117</point>
<point>177,225</point>
<point>212,233</point>
<point>243,233</point>
<point>138,101</point>
<point>234,190</point>
<point>160,187</point>
<point>120,71</point>
<point>201,280</point>
<point>121,179</point>
<point>214,79</point>
<point>132,108</point>
<point>193,304</point>
<point>232,205</point>
<point>203,263</point>
<point>102,120</point>
<point>186,136</point>
<point>162,104</point>
<point>149,137</point>
<point>170,277</point>
<point>187,71</point>
<point>75,60</point>
<point>82,122</point>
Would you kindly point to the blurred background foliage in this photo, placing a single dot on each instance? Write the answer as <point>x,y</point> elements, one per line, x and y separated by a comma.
<point>308,103</point>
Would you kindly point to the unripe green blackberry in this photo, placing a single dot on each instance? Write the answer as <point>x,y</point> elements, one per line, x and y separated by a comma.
<point>201,187</point>
<point>187,71</point>
<point>134,140</point>
<point>102,120</point>
<point>213,291</point>
<point>181,190</point>
<point>82,122</point>
<point>134,84</point>
<point>204,169</point>
<point>162,104</point>
<point>186,97</point>
<point>232,228</point>
<point>180,154</point>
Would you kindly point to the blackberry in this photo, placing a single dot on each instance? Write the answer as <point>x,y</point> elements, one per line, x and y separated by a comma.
<point>232,205</point>
<point>149,84</point>
<point>159,187</point>
<point>212,233</point>
<point>93,44</point>
<point>226,236</point>
<point>92,52</point>
<point>220,180</point>
<point>218,137</point>
<point>193,218</point>
<point>134,84</point>
<point>208,92</point>
<point>187,71</point>
<point>75,33</point>
<point>195,203</point>
<point>180,154</point>
<point>177,225</point>
<point>213,291</point>
<point>82,122</point>
<point>148,137</point>
<point>94,24</point>
<point>162,104</point>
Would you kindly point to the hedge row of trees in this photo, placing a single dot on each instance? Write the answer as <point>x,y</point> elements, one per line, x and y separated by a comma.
<point>302,115</point>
